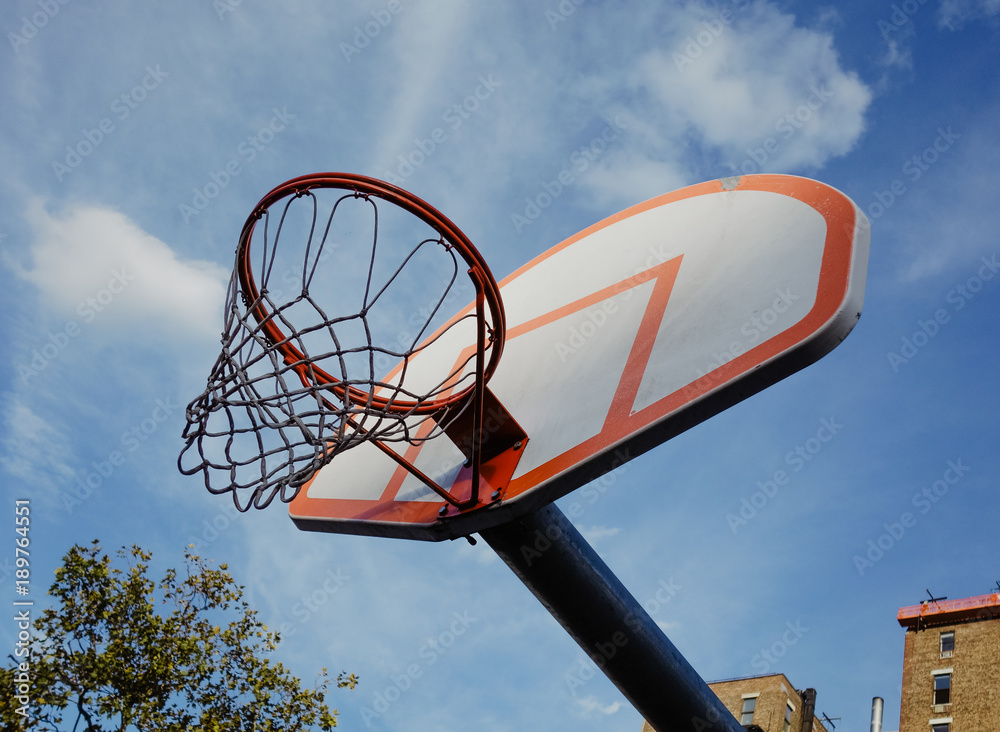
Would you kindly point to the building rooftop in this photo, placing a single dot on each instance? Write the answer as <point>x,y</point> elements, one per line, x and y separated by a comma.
<point>942,612</point>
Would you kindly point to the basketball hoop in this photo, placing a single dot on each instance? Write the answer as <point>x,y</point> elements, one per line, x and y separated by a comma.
<point>611,330</point>
<point>294,387</point>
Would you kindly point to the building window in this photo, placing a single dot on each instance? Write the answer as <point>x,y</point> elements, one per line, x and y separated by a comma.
<point>788,718</point>
<point>947,644</point>
<point>748,706</point>
<point>940,727</point>
<point>942,689</point>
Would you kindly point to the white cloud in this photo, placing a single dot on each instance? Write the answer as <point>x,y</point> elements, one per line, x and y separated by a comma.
<point>589,705</point>
<point>954,14</point>
<point>752,90</point>
<point>754,75</point>
<point>96,265</point>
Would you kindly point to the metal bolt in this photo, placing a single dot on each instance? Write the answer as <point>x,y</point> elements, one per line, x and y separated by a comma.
<point>442,511</point>
<point>517,445</point>
<point>495,496</point>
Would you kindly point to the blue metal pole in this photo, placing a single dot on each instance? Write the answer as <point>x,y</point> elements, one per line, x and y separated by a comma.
<point>567,576</point>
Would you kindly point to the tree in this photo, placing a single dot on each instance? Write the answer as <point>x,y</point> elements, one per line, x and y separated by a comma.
<point>105,658</point>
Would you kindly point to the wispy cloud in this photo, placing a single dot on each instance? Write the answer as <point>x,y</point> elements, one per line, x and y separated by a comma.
<point>898,54</point>
<point>425,52</point>
<point>34,451</point>
<point>589,706</point>
<point>954,14</point>
<point>596,533</point>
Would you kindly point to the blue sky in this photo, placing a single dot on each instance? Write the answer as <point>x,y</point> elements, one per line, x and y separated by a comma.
<point>118,117</point>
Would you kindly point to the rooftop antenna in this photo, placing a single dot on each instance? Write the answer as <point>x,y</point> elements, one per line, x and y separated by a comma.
<point>829,721</point>
<point>934,599</point>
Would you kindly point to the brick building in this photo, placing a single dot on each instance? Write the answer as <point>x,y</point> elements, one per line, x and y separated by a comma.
<point>951,666</point>
<point>770,702</point>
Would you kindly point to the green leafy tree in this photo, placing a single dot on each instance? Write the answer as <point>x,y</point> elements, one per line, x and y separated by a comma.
<point>118,651</point>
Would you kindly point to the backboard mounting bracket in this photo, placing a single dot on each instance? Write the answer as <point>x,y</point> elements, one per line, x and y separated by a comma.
<point>502,442</point>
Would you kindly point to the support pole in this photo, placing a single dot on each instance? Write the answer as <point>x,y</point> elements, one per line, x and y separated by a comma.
<point>567,576</point>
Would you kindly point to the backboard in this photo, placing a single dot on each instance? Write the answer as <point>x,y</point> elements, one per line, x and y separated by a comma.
<point>621,337</point>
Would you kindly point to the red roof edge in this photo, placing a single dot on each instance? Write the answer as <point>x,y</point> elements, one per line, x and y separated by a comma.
<point>950,611</point>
